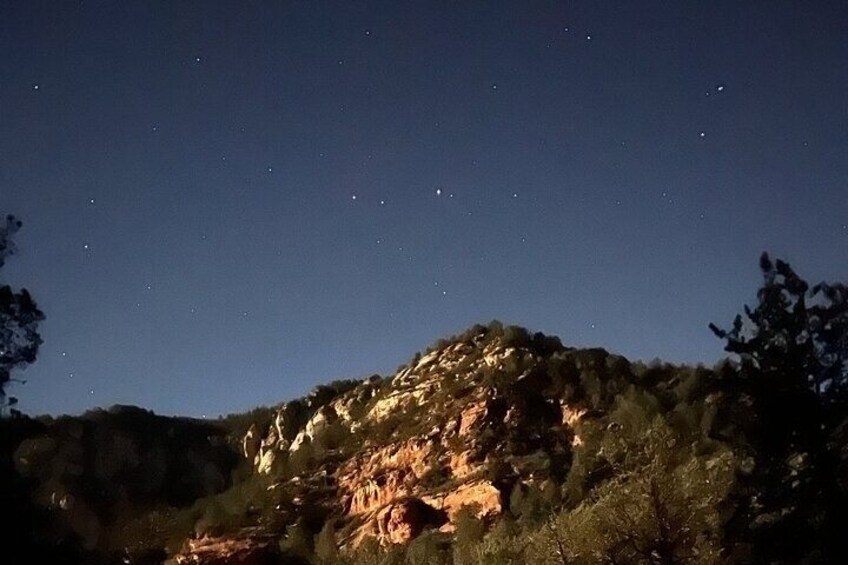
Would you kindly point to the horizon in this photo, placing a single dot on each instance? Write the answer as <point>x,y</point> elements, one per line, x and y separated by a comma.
<point>225,205</point>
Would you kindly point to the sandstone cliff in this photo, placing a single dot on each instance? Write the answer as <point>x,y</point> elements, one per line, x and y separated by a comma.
<point>460,426</point>
<point>495,421</point>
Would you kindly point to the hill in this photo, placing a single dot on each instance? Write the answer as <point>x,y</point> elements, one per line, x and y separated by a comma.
<point>495,445</point>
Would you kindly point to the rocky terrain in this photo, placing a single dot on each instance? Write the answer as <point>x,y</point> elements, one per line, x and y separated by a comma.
<point>415,467</point>
<point>485,418</point>
<point>492,429</point>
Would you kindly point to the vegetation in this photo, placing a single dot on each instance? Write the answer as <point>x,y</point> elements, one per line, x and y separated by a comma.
<point>19,318</point>
<point>743,463</point>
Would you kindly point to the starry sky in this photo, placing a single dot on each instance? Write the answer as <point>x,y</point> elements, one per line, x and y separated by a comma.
<point>227,203</point>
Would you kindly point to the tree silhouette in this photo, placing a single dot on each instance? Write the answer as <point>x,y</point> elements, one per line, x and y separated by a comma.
<point>792,387</point>
<point>796,334</point>
<point>19,318</point>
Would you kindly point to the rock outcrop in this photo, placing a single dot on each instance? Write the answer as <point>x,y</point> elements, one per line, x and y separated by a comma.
<point>249,547</point>
<point>409,452</point>
<point>493,421</point>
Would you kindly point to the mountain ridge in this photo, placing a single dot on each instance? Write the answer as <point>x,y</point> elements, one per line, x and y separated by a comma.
<point>490,430</point>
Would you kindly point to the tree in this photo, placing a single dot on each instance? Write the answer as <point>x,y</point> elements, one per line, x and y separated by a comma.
<point>796,338</point>
<point>19,318</point>
<point>326,548</point>
<point>469,533</point>
<point>791,391</point>
<point>661,508</point>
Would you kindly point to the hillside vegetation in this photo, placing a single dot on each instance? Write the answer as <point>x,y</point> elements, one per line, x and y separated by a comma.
<point>494,446</point>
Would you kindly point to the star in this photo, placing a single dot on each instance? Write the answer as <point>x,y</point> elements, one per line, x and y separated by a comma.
<point>588,37</point>
<point>368,32</point>
<point>438,192</point>
<point>353,197</point>
<point>85,246</point>
<point>35,87</point>
<point>382,202</point>
<point>270,169</point>
<point>515,195</point>
<point>64,354</point>
<point>91,201</point>
<point>720,88</point>
<point>197,59</point>
<point>494,87</point>
<point>702,135</point>
<point>70,375</point>
<point>149,287</point>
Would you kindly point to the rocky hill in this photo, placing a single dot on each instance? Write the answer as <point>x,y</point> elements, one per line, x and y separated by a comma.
<point>482,449</point>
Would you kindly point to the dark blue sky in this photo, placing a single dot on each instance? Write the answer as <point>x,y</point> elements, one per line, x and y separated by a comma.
<point>226,203</point>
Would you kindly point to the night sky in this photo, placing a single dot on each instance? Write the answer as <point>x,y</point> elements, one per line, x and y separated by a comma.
<point>227,203</point>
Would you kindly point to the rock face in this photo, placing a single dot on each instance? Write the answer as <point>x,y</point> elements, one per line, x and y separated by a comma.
<point>490,420</point>
<point>400,522</point>
<point>249,548</point>
<point>447,431</point>
<point>483,496</point>
<point>323,418</point>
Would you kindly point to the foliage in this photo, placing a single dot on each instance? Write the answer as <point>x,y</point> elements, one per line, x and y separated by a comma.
<point>19,319</point>
<point>658,513</point>
<point>599,460</point>
<point>796,337</point>
<point>790,392</point>
<point>326,547</point>
<point>470,531</point>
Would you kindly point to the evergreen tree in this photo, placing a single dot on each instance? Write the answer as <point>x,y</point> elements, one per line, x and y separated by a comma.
<point>789,392</point>
<point>19,318</point>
